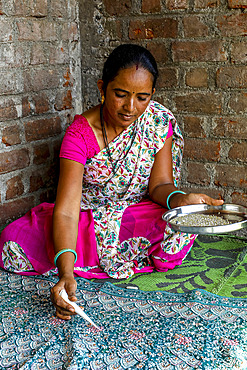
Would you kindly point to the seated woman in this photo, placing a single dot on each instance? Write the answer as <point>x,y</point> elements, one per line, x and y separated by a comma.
<point>119,172</point>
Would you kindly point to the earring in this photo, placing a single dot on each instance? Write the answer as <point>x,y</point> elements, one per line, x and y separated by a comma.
<point>102,99</point>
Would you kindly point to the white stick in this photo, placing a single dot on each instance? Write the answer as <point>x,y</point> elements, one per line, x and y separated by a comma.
<point>78,310</point>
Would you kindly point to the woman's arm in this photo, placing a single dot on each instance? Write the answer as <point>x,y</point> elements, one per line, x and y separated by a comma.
<point>161,183</point>
<point>65,229</point>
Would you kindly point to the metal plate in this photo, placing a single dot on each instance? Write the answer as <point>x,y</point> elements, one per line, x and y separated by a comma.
<point>236,216</point>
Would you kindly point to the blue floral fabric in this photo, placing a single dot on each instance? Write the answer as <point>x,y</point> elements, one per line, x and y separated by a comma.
<point>138,330</point>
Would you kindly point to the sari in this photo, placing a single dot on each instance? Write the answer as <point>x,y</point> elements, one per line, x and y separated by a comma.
<point>120,230</point>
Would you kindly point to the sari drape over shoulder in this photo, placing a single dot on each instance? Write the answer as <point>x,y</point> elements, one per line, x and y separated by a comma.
<point>120,231</point>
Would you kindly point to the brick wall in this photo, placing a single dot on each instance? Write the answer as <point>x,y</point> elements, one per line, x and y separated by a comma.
<point>40,89</point>
<point>200,46</point>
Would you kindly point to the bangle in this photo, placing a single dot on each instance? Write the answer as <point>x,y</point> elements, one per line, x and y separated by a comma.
<point>63,251</point>
<point>169,196</point>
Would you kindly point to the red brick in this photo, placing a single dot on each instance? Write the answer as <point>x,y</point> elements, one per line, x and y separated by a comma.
<point>73,32</point>
<point>63,100</point>
<point>11,135</point>
<point>7,55</point>
<point>239,198</point>
<point>70,31</point>
<point>167,77</point>
<point>42,128</point>
<point>151,6</point>
<point>197,77</point>
<point>177,4</point>
<point>15,187</point>
<point>41,153</point>
<point>1,13</point>
<point>26,107</point>
<point>204,150</point>
<point>198,51</point>
<point>59,8</point>
<point>117,7</point>
<point>32,30</point>
<point>41,79</point>
<point>114,28</point>
<point>39,8</point>
<point>8,110</point>
<point>233,127</point>
<point>153,28</point>
<point>49,31</point>
<point>14,160</point>
<point>238,152</point>
<point>209,103</point>
<point>59,54</point>
<point>231,175</point>
<point>233,4</point>
<point>41,102</point>
<point>65,31</point>
<point>232,25</point>
<point>10,211</point>
<point>238,102</point>
<point>29,30</point>
<point>232,77</point>
<point>45,179</point>
<point>6,31</point>
<point>38,54</point>
<point>197,174</point>
<point>203,4</point>
<point>159,51</point>
<point>36,182</point>
<point>20,7</point>
<point>238,52</point>
<point>10,82</point>
<point>193,127</point>
<point>194,27</point>
<point>22,55</point>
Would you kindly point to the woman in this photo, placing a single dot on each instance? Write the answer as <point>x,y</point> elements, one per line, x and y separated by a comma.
<point>120,166</point>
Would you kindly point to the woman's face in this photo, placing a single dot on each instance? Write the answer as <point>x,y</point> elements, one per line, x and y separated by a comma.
<point>127,96</point>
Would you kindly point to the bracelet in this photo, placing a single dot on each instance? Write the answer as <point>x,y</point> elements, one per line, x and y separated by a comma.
<point>63,251</point>
<point>169,196</point>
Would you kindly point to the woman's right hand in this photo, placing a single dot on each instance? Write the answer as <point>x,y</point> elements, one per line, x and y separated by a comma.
<point>63,309</point>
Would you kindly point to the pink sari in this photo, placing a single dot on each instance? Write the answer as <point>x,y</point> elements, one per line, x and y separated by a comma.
<point>120,231</point>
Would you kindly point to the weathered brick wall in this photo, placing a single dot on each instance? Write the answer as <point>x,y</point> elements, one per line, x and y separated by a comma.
<point>40,89</point>
<point>201,49</point>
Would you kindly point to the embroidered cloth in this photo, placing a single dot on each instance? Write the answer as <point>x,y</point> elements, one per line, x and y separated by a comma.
<point>138,330</point>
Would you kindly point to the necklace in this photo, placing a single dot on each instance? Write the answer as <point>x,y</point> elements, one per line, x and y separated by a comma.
<point>114,164</point>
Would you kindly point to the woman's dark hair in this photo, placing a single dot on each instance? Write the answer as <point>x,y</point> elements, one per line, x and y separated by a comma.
<point>125,56</point>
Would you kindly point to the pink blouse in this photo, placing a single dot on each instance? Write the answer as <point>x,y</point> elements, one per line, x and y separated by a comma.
<point>79,142</point>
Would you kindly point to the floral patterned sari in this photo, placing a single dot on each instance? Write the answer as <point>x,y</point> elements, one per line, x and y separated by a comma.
<point>109,195</point>
<point>121,231</point>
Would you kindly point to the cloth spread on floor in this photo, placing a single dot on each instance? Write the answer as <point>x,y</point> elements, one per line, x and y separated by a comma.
<point>138,330</point>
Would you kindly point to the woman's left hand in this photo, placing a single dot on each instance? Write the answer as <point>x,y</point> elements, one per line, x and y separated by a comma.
<point>179,200</point>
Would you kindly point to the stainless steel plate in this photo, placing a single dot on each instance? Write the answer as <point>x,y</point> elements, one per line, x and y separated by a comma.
<point>235,215</point>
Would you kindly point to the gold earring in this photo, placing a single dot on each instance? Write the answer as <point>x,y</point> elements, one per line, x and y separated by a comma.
<point>102,99</point>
